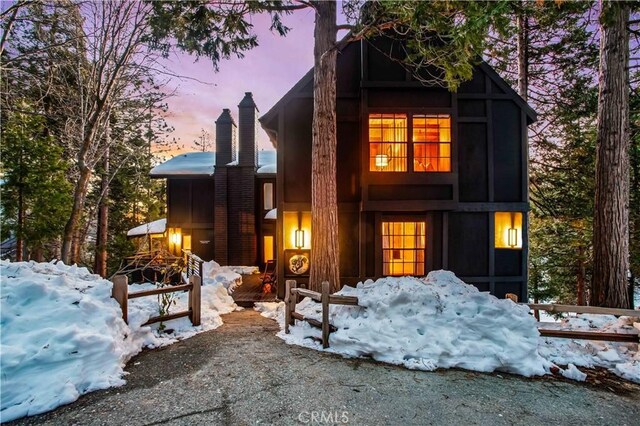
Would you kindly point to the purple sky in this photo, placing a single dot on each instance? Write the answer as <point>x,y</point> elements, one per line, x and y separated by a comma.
<point>268,71</point>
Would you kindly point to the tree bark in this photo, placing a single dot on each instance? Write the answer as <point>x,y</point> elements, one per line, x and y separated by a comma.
<point>20,227</point>
<point>611,209</point>
<point>325,260</point>
<point>71,228</point>
<point>580,276</point>
<point>100,267</point>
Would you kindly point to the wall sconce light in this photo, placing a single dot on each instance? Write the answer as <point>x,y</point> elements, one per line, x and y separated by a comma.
<point>299,238</point>
<point>382,160</point>
<point>175,238</point>
<point>513,237</point>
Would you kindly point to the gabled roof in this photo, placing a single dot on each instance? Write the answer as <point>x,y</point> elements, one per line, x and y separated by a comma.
<point>308,78</point>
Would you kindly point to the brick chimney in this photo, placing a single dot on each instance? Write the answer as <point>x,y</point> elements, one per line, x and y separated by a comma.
<point>247,117</point>
<point>226,145</point>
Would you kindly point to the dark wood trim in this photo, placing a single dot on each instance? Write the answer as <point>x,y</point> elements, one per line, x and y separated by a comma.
<point>525,196</point>
<point>280,157</point>
<point>445,240</point>
<point>493,207</point>
<point>492,243</point>
<point>490,164</point>
<point>472,119</point>
<point>409,205</point>
<point>377,232</point>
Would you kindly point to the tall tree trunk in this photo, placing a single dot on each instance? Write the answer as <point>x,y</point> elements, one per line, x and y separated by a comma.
<point>103,219</point>
<point>611,209</point>
<point>325,264</point>
<point>580,276</point>
<point>522,23</point>
<point>20,227</point>
<point>69,252</point>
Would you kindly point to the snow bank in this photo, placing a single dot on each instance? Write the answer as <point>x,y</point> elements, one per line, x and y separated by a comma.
<point>433,322</point>
<point>622,359</point>
<point>229,276</point>
<point>62,335</point>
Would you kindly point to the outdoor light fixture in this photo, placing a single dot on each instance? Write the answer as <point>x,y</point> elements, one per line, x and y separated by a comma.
<point>513,237</point>
<point>299,238</point>
<point>175,238</point>
<point>382,160</point>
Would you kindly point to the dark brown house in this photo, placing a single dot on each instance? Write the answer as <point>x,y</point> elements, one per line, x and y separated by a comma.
<point>220,205</point>
<point>427,179</point>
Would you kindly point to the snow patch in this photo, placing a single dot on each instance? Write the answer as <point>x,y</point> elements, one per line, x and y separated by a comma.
<point>62,335</point>
<point>428,323</point>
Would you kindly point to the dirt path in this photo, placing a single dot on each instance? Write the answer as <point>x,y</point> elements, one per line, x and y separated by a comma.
<point>242,374</point>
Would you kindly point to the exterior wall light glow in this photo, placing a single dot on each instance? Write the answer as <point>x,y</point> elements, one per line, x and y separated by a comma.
<point>175,238</point>
<point>513,237</point>
<point>508,230</point>
<point>299,238</point>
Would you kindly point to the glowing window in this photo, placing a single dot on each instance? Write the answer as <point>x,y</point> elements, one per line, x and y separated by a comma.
<point>268,248</point>
<point>268,196</point>
<point>431,143</point>
<point>388,142</point>
<point>403,248</point>
<point>186,242</point>
<point>508,230</point>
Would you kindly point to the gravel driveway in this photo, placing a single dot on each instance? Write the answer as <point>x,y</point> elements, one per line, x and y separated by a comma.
<point>242,374</point>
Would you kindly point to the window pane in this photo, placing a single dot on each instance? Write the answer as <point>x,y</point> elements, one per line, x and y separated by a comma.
<point>431,143</point>
<point>268,196</point>
<point>403,248</point>
<point>388,142</point>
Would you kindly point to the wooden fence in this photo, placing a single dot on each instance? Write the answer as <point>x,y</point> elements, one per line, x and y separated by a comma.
<point>121,293</point>
<point>587,335</point>
<point>325,298</point>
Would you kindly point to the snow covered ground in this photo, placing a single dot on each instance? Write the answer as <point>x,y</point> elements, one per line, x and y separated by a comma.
<point>229,276</point>
<point>62,335</point>
<point>441,322</point>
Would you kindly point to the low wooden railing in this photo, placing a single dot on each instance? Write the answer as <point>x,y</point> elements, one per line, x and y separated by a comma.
<point>192,264</point>
<point>325,298</point>
<point>121,293</point>
<point>587,335</point>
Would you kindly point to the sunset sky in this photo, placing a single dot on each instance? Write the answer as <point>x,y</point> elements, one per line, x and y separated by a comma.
<point>268,71</point>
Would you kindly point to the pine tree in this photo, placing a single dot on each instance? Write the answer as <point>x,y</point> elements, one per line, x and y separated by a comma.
<point>35,190</point>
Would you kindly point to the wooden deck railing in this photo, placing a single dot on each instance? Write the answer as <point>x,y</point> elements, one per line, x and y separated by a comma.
<point>325,298</point>
<point>193,264</point>
<point>121,293</point>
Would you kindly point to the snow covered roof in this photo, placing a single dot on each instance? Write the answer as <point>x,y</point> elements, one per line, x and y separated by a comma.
<point>193,163</point>
<point>267,168</point>
<point>155,227</point>
<point>271,214</point>
<point>203,163</point>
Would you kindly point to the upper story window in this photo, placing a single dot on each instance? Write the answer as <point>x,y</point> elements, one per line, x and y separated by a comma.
<point>388,142</point>
<point>431,143</point>
<point>430,137</point>
<point>268,196</point>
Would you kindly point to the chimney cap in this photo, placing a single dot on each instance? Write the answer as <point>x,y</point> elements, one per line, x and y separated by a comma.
<point>247,101</point>
<point>225,117</point>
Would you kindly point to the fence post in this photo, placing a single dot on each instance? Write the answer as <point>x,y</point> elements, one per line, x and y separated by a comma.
<point>195,299</point>
<point>289,300</point>
<point>120,292</point>
<point>512,296</point>
<point>325,314</point>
